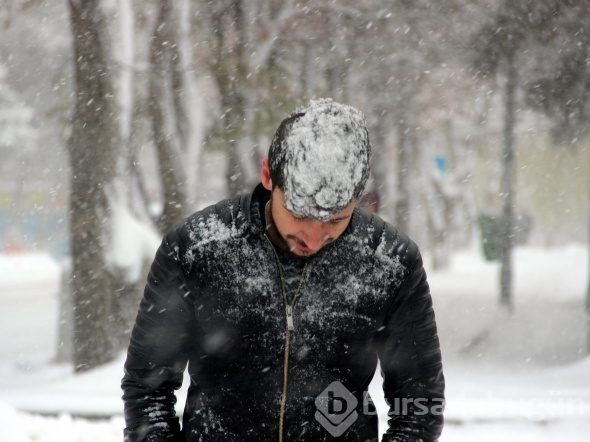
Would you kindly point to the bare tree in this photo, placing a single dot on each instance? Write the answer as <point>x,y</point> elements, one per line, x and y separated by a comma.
<point>499,44</point>
<point>257,52</point>
<point>561,88</point>
<point>168,132</point>
<point>406,44</point>
<point>102,154</point>
<point>175,110</point>
<point>588,276</point>
<point>508,187</point>
<point>93,147</point>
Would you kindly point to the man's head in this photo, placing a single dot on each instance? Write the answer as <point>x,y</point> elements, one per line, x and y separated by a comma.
<point>317,168</point>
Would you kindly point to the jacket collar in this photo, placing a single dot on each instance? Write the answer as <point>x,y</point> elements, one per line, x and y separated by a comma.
<point>246,201</point>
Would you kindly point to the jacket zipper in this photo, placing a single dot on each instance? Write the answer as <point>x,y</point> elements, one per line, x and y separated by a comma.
<point>289,328</point>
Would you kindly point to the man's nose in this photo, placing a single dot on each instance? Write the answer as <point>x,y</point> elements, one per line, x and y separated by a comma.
<point>315,235</point>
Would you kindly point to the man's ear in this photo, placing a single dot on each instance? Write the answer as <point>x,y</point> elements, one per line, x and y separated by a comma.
<point>265,175</point>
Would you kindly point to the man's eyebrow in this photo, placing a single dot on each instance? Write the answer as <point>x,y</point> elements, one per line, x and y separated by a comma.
<point>340,218</point>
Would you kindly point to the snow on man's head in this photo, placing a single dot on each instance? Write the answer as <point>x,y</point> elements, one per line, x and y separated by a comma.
<point>319,157</point>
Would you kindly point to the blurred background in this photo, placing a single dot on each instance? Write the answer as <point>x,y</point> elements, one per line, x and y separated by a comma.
<point>119,118</point>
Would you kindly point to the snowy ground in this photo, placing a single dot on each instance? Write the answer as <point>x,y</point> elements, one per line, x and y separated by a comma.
<point>509,377</point>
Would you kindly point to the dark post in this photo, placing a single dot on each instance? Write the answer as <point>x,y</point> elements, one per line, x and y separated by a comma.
<point>507,186</point>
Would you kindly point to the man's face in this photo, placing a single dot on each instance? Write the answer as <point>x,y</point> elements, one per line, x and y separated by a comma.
<point>306,236</point>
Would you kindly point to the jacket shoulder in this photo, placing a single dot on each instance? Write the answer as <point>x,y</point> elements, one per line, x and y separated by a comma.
<point>384,238</point>
<point>212,225</point>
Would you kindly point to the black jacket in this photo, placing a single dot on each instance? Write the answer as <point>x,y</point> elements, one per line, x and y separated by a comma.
<point>214,299</point>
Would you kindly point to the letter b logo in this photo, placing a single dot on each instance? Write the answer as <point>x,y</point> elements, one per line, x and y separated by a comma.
<point>336,405</point>
<point>336,409</point>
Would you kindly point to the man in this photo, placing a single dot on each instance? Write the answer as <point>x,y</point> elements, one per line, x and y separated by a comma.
<point>282,301</point>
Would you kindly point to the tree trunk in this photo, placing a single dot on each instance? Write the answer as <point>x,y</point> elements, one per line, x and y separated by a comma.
<point>92,146</point>
<point>234,98</point>
<point>162,107</point>
<point>235,31</point>
<point>379,166</point>
<point>192,99</point>
<point>588,276</point>
<point>507,190</point>
<point>402,206</point>
<point>140,133</point>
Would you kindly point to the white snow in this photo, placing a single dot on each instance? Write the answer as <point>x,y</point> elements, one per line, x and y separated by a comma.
<point>212,229</point>
<point>20,427</point>
<point>327,156</point>
<point>509,377</point>
<point>133,241</point>
<point>25,271</point>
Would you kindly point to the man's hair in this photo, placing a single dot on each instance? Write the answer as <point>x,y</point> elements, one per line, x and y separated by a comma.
<point>319,157</point>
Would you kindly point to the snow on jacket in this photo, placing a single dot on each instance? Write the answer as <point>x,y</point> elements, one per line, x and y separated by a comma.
<point>214,300</point>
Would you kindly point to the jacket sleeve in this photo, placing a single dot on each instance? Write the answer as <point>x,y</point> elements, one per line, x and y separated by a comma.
<point>409,353</point>
<point>157,354</point>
